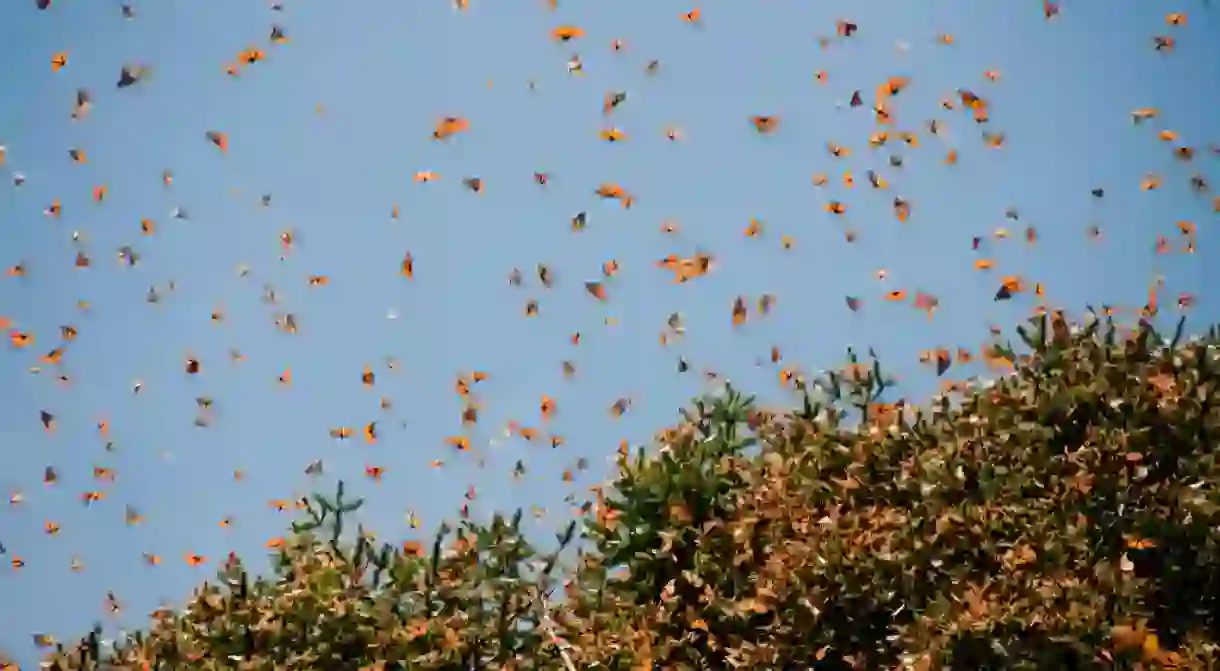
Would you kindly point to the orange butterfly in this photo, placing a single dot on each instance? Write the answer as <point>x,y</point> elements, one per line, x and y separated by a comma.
<point>739,311</point>
<point>250,56</point>
<point>615,192</point>
<point>567,33</point>
<point>450,126</point>
<point>612,135</point>
<point>221,140</point>
<point>765,124</point>
<point>596,290</point>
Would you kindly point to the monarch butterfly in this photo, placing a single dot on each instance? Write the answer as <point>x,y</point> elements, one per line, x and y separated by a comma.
<point>450,126</point>
<point>221,140</point>
<point>470,414</point>
<point>250,56</point>
<point>596,290</point>
<point>892,87</point>
<point>926,301</point>
<point>739,311</point>
<point>1143,114</point>
<point>764,124</point>
<point>130,76</point>
<point>612,135</point>
<point>902,209</point>
<point>615,192</point>
<point>567,33</point>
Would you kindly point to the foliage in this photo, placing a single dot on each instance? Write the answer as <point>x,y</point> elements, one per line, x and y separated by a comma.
<point>1064,515</point>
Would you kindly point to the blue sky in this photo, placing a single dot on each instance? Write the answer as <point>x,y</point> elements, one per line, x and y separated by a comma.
<point>383,73</point>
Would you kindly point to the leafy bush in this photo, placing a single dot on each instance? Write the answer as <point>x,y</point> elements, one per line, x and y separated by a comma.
<point>1063,516</point>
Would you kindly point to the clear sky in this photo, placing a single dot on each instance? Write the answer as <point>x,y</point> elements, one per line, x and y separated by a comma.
<point>384,72</point>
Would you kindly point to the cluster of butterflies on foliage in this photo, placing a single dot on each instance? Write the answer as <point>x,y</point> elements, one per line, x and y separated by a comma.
<point>683,269</point>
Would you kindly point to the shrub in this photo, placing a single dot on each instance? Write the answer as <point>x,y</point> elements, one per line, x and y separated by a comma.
<point>1064,515</point>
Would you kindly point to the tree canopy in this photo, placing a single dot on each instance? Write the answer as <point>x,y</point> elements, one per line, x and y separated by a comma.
<point>1063,515</point>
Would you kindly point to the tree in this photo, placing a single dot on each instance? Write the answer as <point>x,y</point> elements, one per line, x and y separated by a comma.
<point>1063,515</point>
